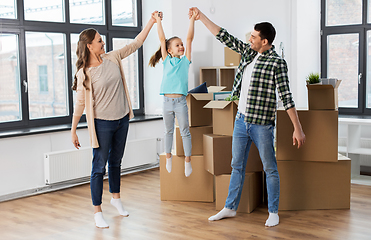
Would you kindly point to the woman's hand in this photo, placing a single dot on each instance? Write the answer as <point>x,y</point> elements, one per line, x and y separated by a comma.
<point>75,140</point>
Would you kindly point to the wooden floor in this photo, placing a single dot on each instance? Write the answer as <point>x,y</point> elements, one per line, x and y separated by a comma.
<point>67,214</point>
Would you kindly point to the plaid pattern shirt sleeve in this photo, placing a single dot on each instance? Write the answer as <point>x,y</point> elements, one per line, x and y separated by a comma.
<point>269,74</point>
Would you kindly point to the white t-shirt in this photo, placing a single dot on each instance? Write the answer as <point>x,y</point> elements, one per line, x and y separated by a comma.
<point>245,85</point>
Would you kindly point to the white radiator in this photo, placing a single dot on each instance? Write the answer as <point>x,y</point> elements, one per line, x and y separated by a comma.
<point>67,165</point>
<point>70,165</point>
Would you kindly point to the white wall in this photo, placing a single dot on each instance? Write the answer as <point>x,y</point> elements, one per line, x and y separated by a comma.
<point>297,25</point>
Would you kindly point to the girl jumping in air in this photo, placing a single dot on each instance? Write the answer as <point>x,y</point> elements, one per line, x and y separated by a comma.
<point>174,87</point>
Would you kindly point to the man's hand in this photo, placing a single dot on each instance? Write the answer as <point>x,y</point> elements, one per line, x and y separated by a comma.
<point>298,137</point>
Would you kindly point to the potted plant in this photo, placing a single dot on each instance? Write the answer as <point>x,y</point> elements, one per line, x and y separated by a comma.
<point>313,78</point>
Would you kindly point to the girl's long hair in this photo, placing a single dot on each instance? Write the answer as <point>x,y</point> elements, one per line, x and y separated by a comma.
<point>86,37</point>
<point>157,56</point>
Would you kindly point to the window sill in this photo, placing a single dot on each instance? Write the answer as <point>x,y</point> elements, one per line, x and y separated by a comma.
<point>65,127</point>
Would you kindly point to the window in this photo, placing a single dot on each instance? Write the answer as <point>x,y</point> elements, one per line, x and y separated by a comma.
<point>10,84</point>
<point>8,9</point>
<point>43,79</point>
<point>346,33</point>
<point>38,55</point>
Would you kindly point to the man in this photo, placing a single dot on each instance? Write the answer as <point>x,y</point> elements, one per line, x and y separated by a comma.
<point>266,71</point>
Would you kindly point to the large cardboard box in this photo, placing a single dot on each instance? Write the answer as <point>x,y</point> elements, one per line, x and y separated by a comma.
<point>251,196</point>
<point>323,97</point>
<point>314,185</point>
<point>199,186</point>
<point>197,140</point>
<point>199,116</point>
<point>231,58</point>
<point>218,155</point>
<point>321,131</point>
<point>224,114</point>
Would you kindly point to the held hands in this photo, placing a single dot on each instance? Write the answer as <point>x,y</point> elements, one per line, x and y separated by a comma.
<point>157,16</point>
<point>194,13</point>
<point>298,137</point>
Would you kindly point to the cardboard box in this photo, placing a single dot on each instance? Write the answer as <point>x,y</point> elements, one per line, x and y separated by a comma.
<point>218,155</point>
<point>199,186</point>
<point>223,115</point>
<point>323,97</point>
<point>198,116</point>
<point>197,140</point>
<point>231,58</point>
<point>314,185</point>
<point>251,196</point>
<point>321,131</point>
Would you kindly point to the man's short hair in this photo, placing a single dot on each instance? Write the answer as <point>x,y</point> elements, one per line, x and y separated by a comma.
<point>266,31</point>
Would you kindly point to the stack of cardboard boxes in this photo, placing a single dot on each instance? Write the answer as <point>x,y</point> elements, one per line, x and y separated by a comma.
<point>199,186</point>
<point>314,176</point>
<point>211,126</point>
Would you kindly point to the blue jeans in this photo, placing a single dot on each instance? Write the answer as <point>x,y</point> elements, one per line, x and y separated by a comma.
<point>112,140</point>
<point>262,135</point>
<point>177,107</point>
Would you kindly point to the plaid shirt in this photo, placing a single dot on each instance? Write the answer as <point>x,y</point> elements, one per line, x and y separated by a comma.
<point>269,73</point>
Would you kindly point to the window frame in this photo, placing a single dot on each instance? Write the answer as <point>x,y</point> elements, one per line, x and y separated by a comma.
<point>20,26</point>
<point>360,29</point>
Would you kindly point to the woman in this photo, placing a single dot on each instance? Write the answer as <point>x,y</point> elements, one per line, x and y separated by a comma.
<point>102,91</point>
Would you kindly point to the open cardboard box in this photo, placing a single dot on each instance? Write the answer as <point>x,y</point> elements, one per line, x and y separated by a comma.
<point>323,96</point>
<point>198,116</point>
<point>223,115</point>
<point>315,185</point>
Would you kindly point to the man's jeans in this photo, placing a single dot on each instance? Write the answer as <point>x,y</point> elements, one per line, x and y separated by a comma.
<point>177,107</point>
<point>112,139</point>
<point>263,137</point>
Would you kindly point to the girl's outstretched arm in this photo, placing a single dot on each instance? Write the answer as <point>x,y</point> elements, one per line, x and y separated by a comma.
<point>190,35</point>
<point>161,35</point>
<point>144,33</point>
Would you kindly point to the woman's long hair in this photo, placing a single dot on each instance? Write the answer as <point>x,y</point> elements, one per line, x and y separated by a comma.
<point>157,56</point>
<point>86,37</point>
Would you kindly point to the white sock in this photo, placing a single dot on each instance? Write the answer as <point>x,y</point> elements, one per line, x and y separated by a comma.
<point>168,163</point>
<point>224,213</point>
<point>99,220</point>
<point>117,203</point>
<point>272,220</point>
<point>187,168</point>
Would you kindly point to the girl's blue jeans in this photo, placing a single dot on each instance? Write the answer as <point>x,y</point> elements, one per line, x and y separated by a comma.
<point>176,107</point>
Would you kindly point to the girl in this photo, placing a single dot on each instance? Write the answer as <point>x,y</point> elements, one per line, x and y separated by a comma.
<point>102,91</point>
<point>174,87</point>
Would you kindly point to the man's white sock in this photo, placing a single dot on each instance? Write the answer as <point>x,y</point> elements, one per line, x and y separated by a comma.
<point>99,220</point>
<point>224,213</point>
<point>169,163</point>
<point>272,220</point>
<point>187,168</point>
<point>117,203</point>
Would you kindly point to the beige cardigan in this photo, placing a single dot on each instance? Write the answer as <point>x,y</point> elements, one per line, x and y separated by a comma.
<point>84,98</point>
